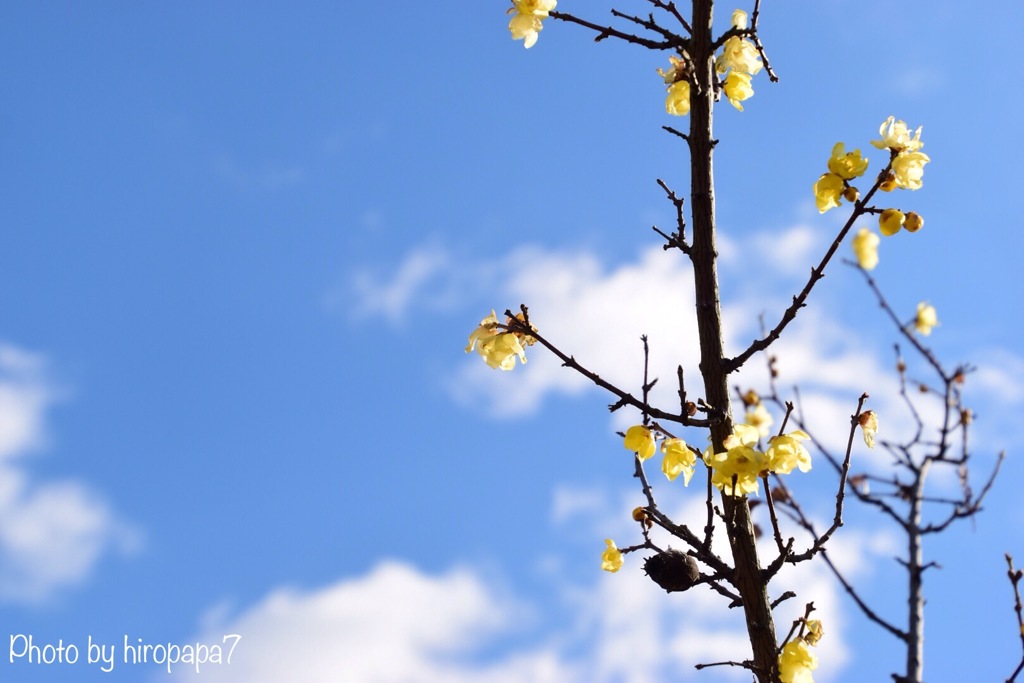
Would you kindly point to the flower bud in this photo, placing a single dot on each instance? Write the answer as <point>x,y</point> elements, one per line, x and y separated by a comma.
<point>913,222</point>
<point>851,194</point>
<point>891,221</point>
<point>889,184</point>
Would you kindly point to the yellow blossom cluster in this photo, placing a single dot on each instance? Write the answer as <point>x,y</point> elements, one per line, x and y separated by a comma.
<point>527,20</point>
<point>499,348</point>
<point>677,102</point>
<point>678,457</point>
<point>737,470</point>
<point>907,166</point>
<point>739,63</point>
<point>832,187</point>
<point>740,59</point>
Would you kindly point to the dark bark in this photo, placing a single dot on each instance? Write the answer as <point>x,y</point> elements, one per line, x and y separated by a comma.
<point>748,577</point>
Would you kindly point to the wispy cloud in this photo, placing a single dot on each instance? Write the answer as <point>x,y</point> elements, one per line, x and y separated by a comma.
<point>263,177</point>
<point>597,312</point>
<point>53,532</point>
<point>392,296</point>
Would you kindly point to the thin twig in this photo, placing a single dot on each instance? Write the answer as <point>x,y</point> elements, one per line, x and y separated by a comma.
<point>817,273</point>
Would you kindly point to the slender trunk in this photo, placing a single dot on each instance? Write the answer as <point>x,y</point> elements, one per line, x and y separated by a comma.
<point>748,577</point>
<point>915,593</point>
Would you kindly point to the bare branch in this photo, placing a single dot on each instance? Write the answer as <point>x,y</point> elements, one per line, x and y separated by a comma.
<point>673,43</point>
<point>625,398</point>
<point>817,273</point>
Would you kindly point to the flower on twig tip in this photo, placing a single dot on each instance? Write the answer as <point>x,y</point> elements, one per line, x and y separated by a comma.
<point>828,190</point>
<point>640,440</point>
<point>738,54</point>
<point>736,471</point>
<point>890,221</point>
<point>739,19</point>
<point>611,558</point>
<point>846,165</point>
<point>796,662</point>
<point>865,247</point>
<point>499,349</point>
<point>926,318</point>
<point>786,452</point>
<point>815,631</point>
<point>868,421</point>
<point>737,88</point>
<point>527,22</point>
<point>679,459</point>
<point>908,169</point>
<point>896,137</point>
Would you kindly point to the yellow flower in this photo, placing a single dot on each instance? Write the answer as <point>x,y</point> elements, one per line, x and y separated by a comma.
<point>847,165</point>
<point>499,349</point>
<point>526,23</point>
<point>640,440</point>
<point>868,422</point>
<point>488,328</point>
<point>737,88</point>
<point>913,222</point>
<point>827,191</point>
<point>786,452</point>
<point>908,169</point>
<point>739,19</point>
<point>865,246</point>
<point>677,103</point>
<point>815,631</point>
<point>926,318</point>
<point>675,72</point>
<point>740,461</point>
<point>740,55</point>
<point>890,222</point>
<point>896,136</point>
<point>759,417</point>
<point>611,558</point>
<point>678,459</point>
<point>796,662</point>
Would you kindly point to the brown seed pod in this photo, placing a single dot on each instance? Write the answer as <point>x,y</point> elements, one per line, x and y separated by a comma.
<point>672,570</point>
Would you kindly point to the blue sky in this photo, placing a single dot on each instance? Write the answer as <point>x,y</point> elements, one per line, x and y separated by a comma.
<point>243,246</point>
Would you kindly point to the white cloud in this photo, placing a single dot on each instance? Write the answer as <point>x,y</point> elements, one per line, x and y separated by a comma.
<point>51,533</point>
<point>393,625</point>
<point>397,624</point>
